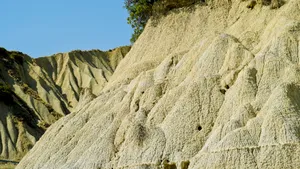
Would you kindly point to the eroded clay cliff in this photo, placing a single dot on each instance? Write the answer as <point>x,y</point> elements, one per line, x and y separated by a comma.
<point>213,87</point>
<point>78,70</point>
<point>32,98</point>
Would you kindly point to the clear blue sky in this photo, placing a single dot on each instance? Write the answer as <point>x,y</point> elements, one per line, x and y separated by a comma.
<point>44,27</point>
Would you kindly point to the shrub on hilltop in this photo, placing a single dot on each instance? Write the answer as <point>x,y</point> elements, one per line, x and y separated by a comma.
<point>140,11</point>
<point>17,57</point>
<point>3,52</point>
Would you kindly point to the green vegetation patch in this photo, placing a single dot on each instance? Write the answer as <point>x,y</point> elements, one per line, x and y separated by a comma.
<point>3,52</point>
<point>11,57</point>
<point>17,57</point>
<point>140,11</point>
<point>6,94</point>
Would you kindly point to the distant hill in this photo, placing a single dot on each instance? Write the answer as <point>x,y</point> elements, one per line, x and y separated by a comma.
<point>35,93</point>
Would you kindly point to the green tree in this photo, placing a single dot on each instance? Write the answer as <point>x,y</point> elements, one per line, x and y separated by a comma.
<point>139,13</point>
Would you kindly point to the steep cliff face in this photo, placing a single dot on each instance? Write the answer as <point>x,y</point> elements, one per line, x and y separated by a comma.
<point>31,97</point>
<point>29,103</point>
<point>217,87</point>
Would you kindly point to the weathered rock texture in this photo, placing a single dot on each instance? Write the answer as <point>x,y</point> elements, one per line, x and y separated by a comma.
<point>30,103</point>
<point>217,87</point>
<point>78,70</point>
<point>32,98</point>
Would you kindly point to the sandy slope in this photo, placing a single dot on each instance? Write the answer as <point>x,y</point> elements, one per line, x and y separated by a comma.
<point>218,87</point>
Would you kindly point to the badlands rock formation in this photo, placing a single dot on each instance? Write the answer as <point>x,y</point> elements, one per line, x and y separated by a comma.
<point>31,97</point>
<point>78,70</point>
<point>214,87</point>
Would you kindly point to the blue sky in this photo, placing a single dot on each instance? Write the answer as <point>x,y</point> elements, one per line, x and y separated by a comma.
<point>43,27</point>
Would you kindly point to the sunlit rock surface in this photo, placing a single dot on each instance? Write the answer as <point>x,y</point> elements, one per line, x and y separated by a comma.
<point>214,87</point>
<point>31,97</point>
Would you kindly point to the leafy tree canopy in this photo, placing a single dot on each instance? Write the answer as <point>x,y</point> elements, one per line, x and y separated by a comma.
<point>139,13</point>
<point>141,10</point>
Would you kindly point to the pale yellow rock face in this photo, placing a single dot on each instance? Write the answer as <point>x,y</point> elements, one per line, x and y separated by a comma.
<point>42,92</point>
<point>217,87</point>
<point>36,104</point>
<point>79,70</point>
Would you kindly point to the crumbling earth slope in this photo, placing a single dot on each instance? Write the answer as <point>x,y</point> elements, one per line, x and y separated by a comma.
<point>213,87</point>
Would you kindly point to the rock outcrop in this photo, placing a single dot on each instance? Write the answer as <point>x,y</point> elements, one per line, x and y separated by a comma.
<point>29,103</point>
<point>216,87</point>
<point>78,70</point>
<point>31,97</point>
